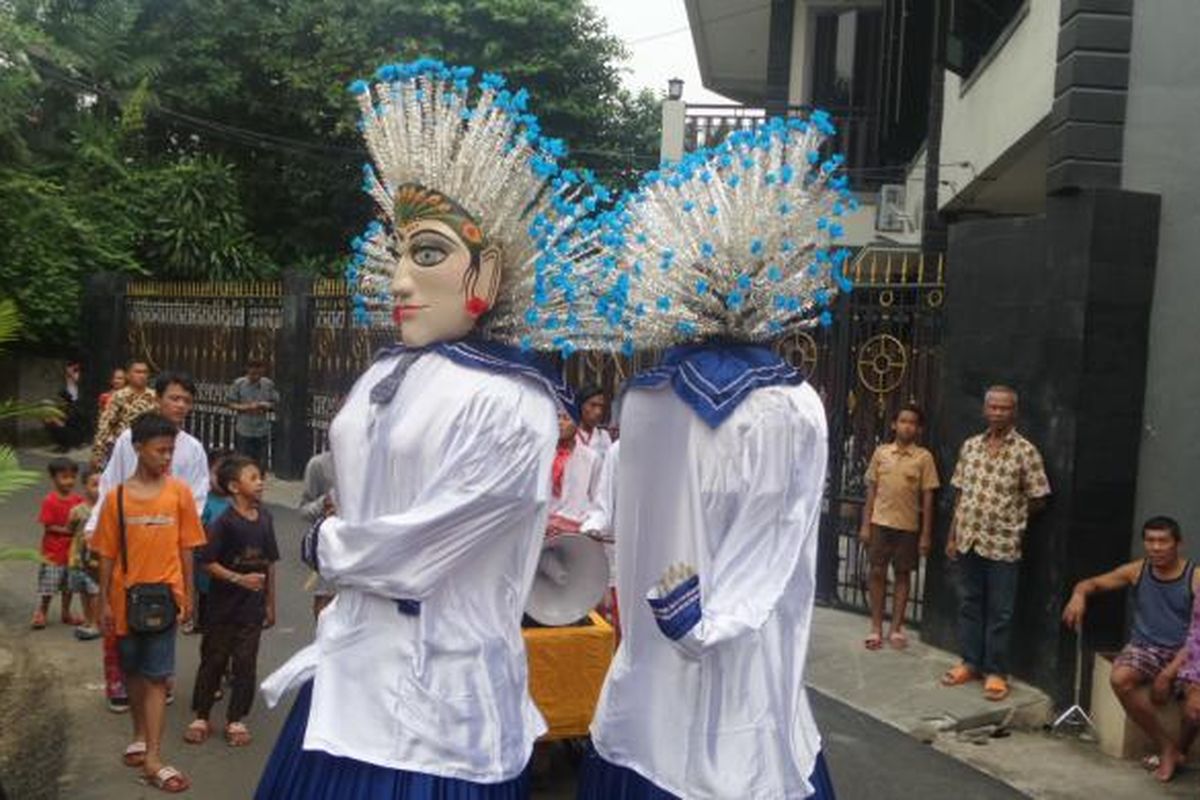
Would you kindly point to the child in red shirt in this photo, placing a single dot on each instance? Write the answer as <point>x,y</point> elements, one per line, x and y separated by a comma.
<point>55,519</point>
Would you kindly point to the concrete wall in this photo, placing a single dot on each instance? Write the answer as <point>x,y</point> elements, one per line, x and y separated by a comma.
<point>1162,121</point>
<point>1007,97</point>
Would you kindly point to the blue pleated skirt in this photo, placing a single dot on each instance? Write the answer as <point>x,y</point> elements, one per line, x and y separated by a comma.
<point>603,780</point>
<point>293,773</point>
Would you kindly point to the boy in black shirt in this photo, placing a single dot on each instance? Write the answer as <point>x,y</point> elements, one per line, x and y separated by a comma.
<point>240,557</point>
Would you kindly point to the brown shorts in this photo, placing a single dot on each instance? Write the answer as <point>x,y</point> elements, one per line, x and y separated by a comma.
<point>896,547</point>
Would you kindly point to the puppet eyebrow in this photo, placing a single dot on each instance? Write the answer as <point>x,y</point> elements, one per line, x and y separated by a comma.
<point>403,236</point>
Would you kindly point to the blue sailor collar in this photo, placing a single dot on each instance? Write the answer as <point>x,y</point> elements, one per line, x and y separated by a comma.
<point>713,378</point>
<point>492,357</point>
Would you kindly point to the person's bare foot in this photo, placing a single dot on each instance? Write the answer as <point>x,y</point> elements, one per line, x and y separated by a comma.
<point>1168,762</point>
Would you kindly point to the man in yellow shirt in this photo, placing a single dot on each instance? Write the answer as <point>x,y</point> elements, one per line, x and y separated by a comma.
<point>897,520</point>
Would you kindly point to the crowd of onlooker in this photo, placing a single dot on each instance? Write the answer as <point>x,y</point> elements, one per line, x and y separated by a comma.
<point>165,537</point>
<point>999,483</point>
<point>151,482</point>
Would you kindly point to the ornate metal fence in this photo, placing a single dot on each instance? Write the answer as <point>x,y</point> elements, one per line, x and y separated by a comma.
<point>338,353</point>
<point>209,330</point>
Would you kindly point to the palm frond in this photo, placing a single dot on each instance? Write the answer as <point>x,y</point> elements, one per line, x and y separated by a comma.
<point>43,410</point>
<point>10,321</point>
<point>21,554</point>
<point>12,476</point>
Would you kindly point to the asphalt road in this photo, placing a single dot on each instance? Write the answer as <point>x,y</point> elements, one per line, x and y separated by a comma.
<point>867,759</point>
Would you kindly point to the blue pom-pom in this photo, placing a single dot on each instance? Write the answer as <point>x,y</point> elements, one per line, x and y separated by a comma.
<point>701,286</point>
<point>826,319</point>
<point>664,303</point>
<point>359,87</point>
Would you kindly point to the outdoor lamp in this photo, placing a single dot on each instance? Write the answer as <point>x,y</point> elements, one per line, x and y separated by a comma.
<point>675,88</point>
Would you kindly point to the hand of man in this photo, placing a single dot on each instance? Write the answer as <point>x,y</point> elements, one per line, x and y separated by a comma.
<point>269,622</point>
<point>925,545</point>
<point>254,581</point>
<point>864,533</point>
<point>952,547</point>
<point>1072,615</point>
<point>185,615</point>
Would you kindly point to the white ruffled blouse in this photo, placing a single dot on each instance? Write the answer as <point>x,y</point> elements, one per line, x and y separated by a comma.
<point>720,711</point>
<point>442,499</point>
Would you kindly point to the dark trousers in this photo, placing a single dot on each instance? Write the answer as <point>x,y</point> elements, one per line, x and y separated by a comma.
<point>222,643</point>
<point>253,447</point>
<point>987,595</point>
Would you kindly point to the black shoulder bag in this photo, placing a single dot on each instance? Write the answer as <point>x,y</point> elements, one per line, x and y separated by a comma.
<point>149,607</point>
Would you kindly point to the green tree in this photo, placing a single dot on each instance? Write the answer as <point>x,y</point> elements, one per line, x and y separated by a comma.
<point>215,138</point>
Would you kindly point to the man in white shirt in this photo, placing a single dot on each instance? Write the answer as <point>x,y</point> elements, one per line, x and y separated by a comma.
<point>574,480</point>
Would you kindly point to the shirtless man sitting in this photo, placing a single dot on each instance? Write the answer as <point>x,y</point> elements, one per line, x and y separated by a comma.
<point>1164,584</point>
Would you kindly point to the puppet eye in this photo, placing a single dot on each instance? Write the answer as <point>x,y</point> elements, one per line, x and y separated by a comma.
<point>428,255</point>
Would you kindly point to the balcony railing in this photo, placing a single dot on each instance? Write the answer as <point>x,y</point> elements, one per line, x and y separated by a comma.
<point>857,136</point>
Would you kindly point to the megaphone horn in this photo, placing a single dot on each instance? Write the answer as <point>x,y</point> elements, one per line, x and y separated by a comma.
<point>571,579</point>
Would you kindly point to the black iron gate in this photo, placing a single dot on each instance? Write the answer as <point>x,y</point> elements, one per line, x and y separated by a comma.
<point>882,352</point>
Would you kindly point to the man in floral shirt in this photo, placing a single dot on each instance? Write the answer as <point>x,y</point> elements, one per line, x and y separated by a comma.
<point>1000,481</point>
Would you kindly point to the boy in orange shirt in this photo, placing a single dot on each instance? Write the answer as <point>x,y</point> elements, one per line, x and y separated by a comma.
<point>161,528</point>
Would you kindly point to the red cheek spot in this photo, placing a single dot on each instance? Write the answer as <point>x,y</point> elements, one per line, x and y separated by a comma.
<point>477,306</point>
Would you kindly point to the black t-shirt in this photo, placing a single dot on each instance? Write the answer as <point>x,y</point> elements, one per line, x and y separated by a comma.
<point>244,546</point>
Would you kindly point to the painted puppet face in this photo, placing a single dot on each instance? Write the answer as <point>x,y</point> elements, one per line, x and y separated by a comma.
<point>445,275</point>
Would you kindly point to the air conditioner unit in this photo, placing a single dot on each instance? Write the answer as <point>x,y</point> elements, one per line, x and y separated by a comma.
<point>889,212</point>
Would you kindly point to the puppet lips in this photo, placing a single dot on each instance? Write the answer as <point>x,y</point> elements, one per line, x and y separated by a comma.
<point>399,313</point>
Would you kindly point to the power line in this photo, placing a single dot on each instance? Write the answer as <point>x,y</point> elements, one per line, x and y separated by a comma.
<point>719,18</point>
<point>234,133</point>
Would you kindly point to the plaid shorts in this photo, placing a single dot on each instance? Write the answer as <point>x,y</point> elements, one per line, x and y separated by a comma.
<point>52,579</point>
<point>78,580</point>
<point>1145,659</point>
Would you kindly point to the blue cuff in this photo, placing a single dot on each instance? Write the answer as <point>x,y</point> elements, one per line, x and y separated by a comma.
<point>679,610</point>
<point>410,608</point>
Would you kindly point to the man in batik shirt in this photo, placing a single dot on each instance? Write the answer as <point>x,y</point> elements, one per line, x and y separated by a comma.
<point>1000,481</point>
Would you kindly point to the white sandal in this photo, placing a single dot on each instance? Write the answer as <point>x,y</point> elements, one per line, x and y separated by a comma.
<point>135,754</point>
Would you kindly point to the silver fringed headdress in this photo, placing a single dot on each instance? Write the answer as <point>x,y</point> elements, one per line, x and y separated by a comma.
<point>470,152</point>
<point>733,243</point>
